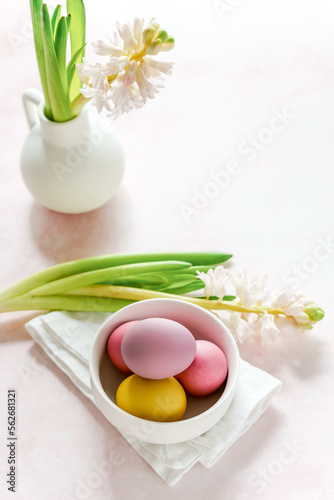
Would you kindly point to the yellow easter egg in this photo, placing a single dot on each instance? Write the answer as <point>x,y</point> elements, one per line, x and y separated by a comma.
<point>161,400</point>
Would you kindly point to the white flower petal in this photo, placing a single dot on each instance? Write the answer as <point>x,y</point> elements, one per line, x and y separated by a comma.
<point>293,309</point>
<point>268,329</point>
<point>241,329</point>
<point>117,64</point>
<point>287,326</point>
<point>107,47</point>
<point>126,34</point>
<point>208,282</point>
<point>99,98</point>
<point>97,73</point>
<point>129,76</point>
<point>83,78</point>
<point>250,290</point>
<point>303,320</point>
<point>87,91</point>
<point>166,47</point>
<point>138,26</point>
<point>147,89</point>
<point>220,279</point>
<point>283,297</point>
<point>156,67</point>
<point>125,98</point>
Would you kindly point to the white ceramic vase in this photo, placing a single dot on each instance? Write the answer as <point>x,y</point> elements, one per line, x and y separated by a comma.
<point>70,167</point>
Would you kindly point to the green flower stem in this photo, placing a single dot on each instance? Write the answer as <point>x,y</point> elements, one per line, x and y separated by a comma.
<point>135,294</point>
<point>112,298</point>
<point>78,104</point>
<point>106,261</point>
<point>71,69</point>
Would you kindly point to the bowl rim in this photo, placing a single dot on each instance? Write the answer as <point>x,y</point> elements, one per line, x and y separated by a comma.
<point>94,367</point>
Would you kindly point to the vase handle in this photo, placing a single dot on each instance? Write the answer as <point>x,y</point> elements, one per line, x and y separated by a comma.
<point>31,100</point>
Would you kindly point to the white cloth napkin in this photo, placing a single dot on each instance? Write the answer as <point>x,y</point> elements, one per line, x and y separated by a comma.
<point>67,337</point>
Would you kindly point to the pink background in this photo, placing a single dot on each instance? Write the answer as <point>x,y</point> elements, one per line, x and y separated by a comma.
<point>233,73</point>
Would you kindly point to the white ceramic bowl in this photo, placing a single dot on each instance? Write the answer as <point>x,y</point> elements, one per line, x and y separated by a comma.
<point>202,412</point>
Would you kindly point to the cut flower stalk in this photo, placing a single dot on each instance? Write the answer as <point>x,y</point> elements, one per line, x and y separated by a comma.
<point>108,283</point>
<point>72,268</point>
<point>134,294</point>
<point>110,298</point>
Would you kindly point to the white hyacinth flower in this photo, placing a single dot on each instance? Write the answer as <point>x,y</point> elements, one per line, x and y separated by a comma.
<point>215,281</point>
<point>241,327</point>
<point>131,75</point>
<point>110,46</point>
<point>97,73</point>
<point>100,98</point>
<point>125,98</point>
<point>154,67</point>
<point>268,328</point>
<point>255,313</point>
<point>250,290</point>
<point>208,280</point>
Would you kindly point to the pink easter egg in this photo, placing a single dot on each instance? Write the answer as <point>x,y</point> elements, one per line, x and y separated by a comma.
<point>114,346</point>
<point>207,372</point>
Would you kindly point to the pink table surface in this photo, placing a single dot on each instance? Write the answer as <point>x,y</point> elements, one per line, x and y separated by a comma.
<point>238,64</point>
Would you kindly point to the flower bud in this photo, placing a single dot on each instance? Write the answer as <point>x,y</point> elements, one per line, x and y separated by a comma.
<point>148,35</point>
<point>168,44</point>
<point>154,48</point>
<point>163,35</point>
<point>314,312</point>
<point>303,321</point>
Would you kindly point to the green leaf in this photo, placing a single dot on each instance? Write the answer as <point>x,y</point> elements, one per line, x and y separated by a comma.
<point>78,34</point>
<point>60,104</point>
<point>68,22</point>
<point>178,284</point>
<point>60,48</point>
<point>102,275</point>
<point>35,8</point>
<point>210,259</point>
<point>71,65</point>
<point>55,19</point>
<point>229,297</point>
<point>191,271</point>
<point>226,298</point>
<point>64,303</point>
<point>140,279</point>
<point>151,279</point>
<point>106,261</point>
<point>180,280</point>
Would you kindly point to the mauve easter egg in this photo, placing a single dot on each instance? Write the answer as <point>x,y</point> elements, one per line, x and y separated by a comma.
<point>114,346</point>
<point>207,372</point>
<point>158,348</point>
